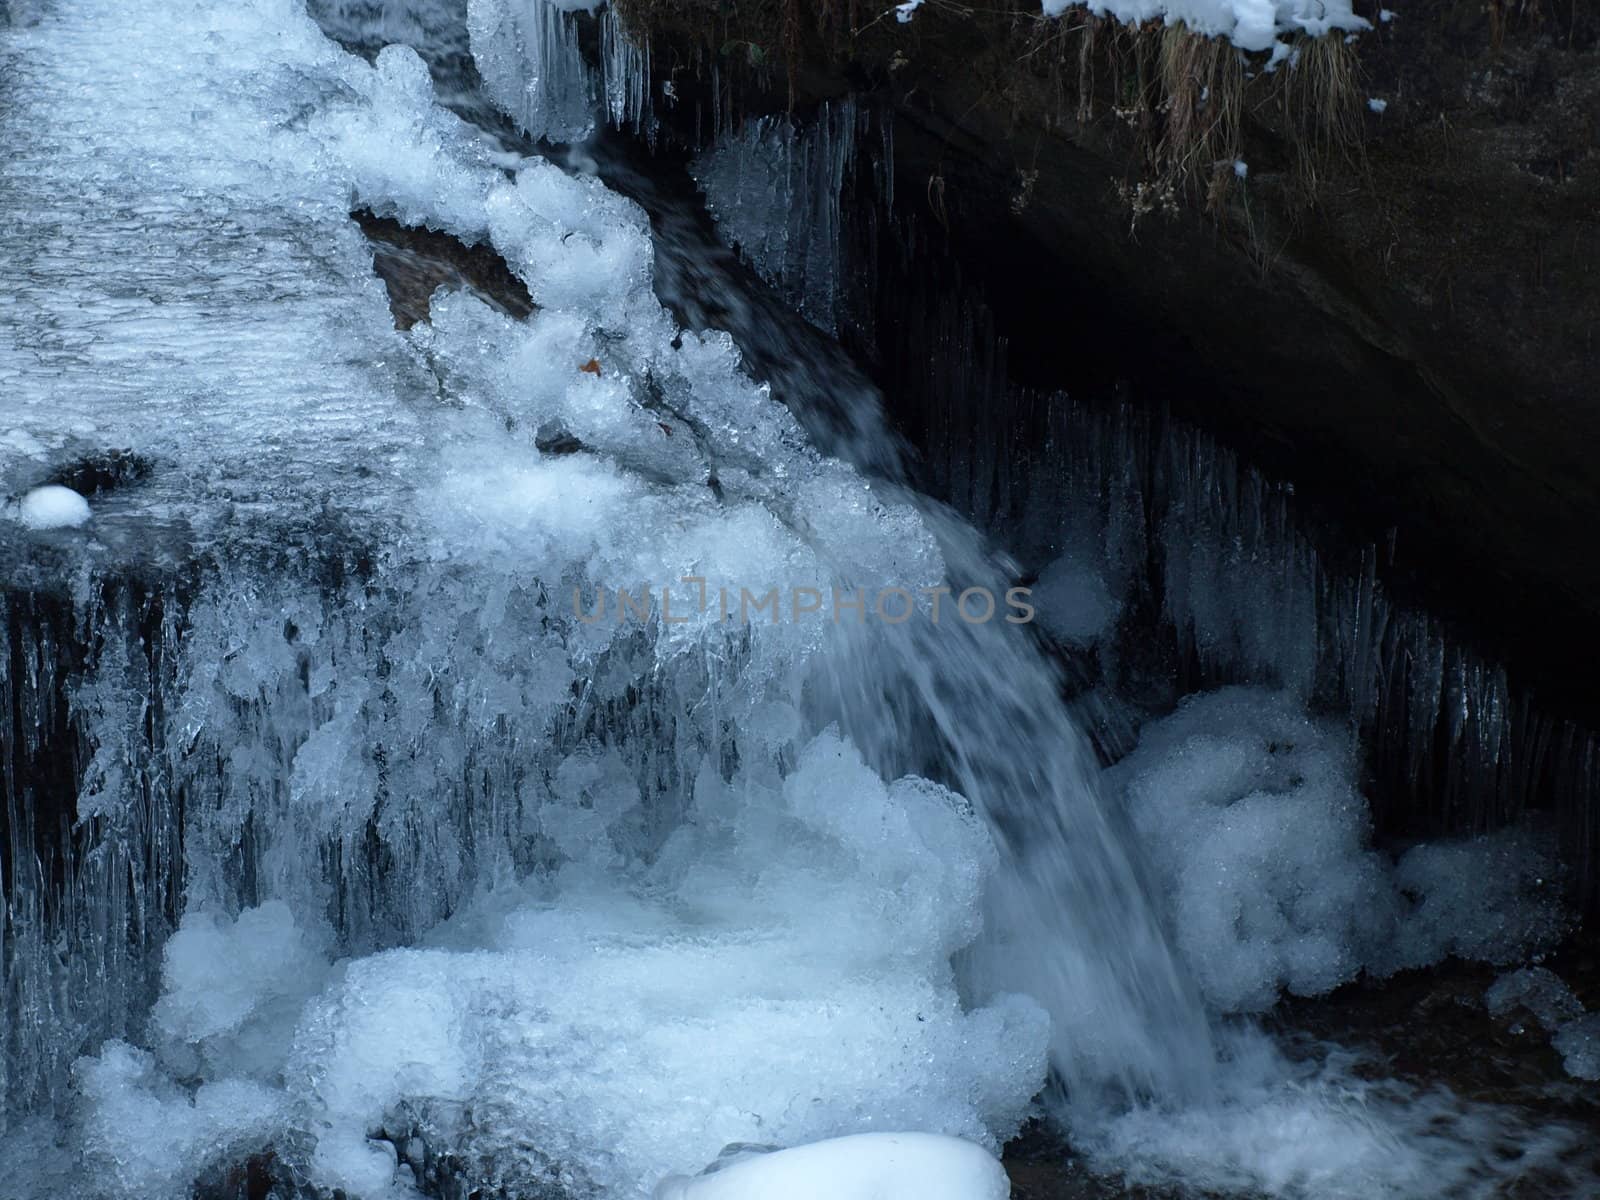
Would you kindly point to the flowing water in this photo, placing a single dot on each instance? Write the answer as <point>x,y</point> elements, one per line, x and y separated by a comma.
<point>530,753</point>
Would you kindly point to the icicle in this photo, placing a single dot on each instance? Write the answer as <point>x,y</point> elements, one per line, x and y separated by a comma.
<point>532,67</point>
<point>776,190</point>
<point>625,68</point>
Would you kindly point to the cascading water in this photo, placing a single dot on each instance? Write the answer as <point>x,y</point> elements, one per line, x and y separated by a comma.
<point>388,797</point>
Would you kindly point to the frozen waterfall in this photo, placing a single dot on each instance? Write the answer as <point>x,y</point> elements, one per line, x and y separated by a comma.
<point>391,793</point>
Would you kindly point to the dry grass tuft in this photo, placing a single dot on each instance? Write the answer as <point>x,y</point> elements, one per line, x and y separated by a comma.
<point>1320,99</point>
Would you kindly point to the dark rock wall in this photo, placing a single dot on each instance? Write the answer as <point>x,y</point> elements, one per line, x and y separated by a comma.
<point>1397,310</point>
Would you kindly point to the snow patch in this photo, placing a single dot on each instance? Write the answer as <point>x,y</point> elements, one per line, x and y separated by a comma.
<point>1249,24</point>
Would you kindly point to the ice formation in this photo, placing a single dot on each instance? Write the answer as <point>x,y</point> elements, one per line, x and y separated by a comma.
<point>1541,992</point>
<point>1244,585</point>
<point>1248,24</point>
<point>527,52</point>
<point>1073,600</point>
<point>870,1166</point>
<point>1258,831</point>
<point>53,507</point>
<point>1578,1043</point>
<point>775,188</point>
<point>529,57</point>
<point>1537,989</point>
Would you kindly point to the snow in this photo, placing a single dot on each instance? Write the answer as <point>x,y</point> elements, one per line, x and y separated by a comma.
<point>869,1166</point>
<point>1241,169</point>
<point>53,507</point>
<point>1248,24</point>
<point>1376,105</point>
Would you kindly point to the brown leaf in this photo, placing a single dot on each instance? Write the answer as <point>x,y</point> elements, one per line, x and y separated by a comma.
<point>592,366</point>
<point>666,429</point>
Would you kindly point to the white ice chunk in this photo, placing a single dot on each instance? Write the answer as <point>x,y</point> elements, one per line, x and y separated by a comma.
<point>53,507</point>
<point>866,1166</point>
<point>148,1139</point>
<point>1258,832</point>
<point>233,989</point>
<point>1495,899</point>
<point>785,976</point>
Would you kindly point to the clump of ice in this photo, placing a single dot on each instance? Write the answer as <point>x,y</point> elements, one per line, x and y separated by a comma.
<point>1578,1043</point>
<point>868,1166</point>
<point>1260,837</point>
<point>148,1139</point>
<point>53,507</point>
<point>1494,899</point>
<point>1073,601</point>
<point>232,990</point>
<point>782,976</point>
<point>1248,24</point>
<point>1539,990</point>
